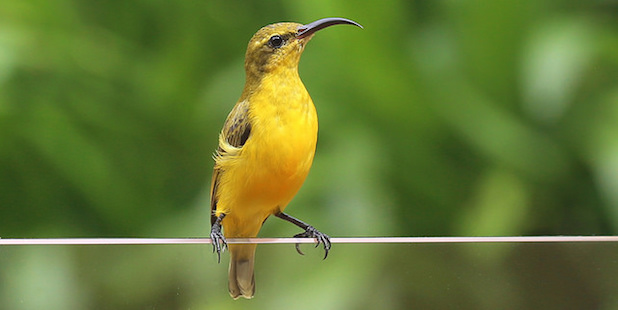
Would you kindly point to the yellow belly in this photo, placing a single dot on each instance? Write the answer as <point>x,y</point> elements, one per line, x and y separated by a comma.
<point>270,169</point>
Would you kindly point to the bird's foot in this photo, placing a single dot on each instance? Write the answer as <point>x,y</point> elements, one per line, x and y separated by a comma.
<point>218,240</point>
<point>311,232</point>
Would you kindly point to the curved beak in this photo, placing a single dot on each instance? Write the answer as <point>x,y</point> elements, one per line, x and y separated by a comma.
<point>309,29</point>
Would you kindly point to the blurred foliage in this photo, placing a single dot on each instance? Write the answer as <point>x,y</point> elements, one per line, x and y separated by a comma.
<point>439,118</point>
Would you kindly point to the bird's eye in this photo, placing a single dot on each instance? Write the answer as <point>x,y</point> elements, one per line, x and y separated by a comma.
<point>275,41</point>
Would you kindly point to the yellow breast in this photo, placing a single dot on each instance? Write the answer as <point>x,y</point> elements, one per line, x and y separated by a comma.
<point>283,139</point>
<point>275,160</point>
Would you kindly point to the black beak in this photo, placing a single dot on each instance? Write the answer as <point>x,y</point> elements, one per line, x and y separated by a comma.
<point>311,28</point>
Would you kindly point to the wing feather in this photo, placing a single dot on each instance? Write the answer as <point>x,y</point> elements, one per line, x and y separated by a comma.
<point>235,133</point>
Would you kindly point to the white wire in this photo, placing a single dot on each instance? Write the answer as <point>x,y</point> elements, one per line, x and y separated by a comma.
<point>361,240</point>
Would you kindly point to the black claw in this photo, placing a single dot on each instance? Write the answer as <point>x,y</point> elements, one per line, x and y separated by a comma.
<point>218,244</point>
<point>310,232</point>
<point>320,238</point>
<point>218,240</point>
<point>298,249</point>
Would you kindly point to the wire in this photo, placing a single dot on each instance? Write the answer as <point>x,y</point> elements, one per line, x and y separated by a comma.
<point>357,240</point>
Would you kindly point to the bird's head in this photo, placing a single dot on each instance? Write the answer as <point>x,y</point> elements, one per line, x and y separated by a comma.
<point>279,46</point>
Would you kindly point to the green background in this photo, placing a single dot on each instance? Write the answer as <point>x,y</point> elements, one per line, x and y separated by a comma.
<point>440,118</point>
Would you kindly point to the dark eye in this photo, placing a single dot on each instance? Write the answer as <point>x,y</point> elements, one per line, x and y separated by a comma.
<point>275,41</point>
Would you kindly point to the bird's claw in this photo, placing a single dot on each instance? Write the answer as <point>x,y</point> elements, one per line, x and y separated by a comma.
<point>218,241</point>
<point>320,238</point>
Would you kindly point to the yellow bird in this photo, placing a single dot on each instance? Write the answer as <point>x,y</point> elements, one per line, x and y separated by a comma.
<point>266,147</point>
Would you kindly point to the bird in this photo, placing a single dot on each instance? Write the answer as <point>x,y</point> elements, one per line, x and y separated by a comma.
<point>266,148</point>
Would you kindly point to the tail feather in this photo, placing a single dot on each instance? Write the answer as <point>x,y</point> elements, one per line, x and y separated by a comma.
<point>241,276</point>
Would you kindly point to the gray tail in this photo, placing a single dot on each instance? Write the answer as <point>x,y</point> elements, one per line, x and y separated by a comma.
<point>241,277</point>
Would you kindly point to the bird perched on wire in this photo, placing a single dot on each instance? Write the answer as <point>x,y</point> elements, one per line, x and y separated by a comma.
<point>266,148</point>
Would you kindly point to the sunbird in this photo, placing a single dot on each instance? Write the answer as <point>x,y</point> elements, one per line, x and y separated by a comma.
<point>266,148</point>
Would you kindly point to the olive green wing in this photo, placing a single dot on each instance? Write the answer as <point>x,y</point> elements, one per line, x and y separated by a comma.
<point>235,132</point>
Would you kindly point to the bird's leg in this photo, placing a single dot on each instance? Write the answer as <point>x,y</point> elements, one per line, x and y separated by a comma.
<point>310,232</point>
<point>218,240</point>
